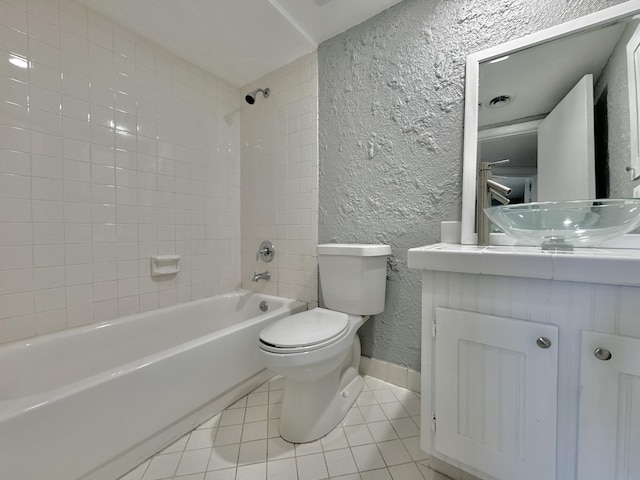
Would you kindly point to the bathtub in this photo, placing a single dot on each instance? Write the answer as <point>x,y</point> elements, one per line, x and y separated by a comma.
<point>93,402</point>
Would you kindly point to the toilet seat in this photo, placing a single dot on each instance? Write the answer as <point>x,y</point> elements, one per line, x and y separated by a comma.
<point>306,331</point>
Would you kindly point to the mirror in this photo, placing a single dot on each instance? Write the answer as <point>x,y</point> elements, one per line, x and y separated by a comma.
<point>519,96</point>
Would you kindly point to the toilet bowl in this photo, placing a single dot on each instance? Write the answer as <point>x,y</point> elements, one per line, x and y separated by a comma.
<point>321,378</point>
<point>318,351</point>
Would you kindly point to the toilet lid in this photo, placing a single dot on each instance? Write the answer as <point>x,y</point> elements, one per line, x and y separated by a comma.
<point>305,329</point>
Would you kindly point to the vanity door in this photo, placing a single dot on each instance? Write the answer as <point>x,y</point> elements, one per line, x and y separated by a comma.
<point>496,394</point>
<point>609,425</point>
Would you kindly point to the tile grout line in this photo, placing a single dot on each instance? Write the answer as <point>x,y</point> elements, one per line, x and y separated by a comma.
<point>397,446</point>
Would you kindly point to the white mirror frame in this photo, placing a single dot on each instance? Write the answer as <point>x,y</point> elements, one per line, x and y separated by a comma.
<point>470,153</point>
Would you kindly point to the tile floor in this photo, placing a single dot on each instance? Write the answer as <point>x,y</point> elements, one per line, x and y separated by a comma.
<point>377,440</point>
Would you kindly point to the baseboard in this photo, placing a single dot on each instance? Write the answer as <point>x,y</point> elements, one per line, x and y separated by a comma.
<point>391,373</point>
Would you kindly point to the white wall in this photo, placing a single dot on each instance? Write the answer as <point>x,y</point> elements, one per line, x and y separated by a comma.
<point>111,149</point>
<point>279,137</point>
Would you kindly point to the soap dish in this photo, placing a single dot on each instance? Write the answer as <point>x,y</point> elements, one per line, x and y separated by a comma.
<point>165,265</point>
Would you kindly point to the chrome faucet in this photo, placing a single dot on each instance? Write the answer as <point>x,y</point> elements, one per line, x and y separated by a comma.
<point>487,190</point>
<point>260,276</point>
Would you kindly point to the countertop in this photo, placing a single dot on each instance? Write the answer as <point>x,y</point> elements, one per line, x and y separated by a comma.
<point>589,265</point>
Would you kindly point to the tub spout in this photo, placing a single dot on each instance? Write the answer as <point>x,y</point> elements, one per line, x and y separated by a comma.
<point>261,276</point>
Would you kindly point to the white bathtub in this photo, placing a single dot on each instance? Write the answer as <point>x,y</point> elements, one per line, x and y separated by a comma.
<point>93,402</point>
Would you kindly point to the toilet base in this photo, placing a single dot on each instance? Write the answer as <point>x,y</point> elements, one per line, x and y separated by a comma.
<point>311,410</point>
<point>320,386</point>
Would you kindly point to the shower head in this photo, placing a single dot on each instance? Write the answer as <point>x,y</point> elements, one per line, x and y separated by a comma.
<point>250,98</point>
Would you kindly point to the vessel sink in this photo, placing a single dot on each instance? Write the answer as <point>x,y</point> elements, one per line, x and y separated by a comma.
<point>567,224</point>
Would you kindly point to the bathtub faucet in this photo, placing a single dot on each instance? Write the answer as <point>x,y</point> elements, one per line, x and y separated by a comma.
<point>260,276</point>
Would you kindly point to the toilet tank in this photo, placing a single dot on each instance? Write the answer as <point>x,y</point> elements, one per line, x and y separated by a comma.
<point>353,277</point>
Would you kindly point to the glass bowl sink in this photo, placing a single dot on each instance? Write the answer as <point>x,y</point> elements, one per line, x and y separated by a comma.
<point>567,224</point>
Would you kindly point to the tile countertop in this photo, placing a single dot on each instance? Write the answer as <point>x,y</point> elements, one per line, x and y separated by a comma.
<point>589,265</point>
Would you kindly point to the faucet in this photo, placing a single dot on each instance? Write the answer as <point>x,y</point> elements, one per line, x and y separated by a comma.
<point>487,190</point>
<point>260,276</point>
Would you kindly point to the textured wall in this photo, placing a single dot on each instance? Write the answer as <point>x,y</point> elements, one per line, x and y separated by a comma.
<point>391,117</point>
<point>614,79</point>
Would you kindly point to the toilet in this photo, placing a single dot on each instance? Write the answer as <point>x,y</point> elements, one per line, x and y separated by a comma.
<point>318,351</point>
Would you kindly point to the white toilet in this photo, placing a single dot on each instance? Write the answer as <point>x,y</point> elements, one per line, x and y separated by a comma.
<point>318,351</point>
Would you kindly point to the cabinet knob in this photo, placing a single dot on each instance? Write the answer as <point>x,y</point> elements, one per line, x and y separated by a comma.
<point>543,342</point>
<point>602,354</point>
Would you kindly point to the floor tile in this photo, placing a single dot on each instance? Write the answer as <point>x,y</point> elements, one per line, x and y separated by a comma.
<point>366,398</point>
<point>254,431</point>
<point>224,457</point>
<point>379,439</point>
<point>358,435</point>
<point>272,428</point>
<point>277,448</point>
<point>253,452</point>
<point>212,422</point>
<point>375,383</point>
<point>229,474</point>
<point>381,474</point>
<point>311,467</point>
<point>284,469</point>
<point>257,471</point>
<point>274,410</point>
<point>405,427</point>
<point>367,457</point>
<point>275,396</point>
<point>372,413</point>
<point>394,410</point>
<point>384,396</point>
<point>258,398</point>
<point>257,413</point>
<point>308,448</point>
<point>353,417</point>
<point>382,431</point>
<point>412,444</point>
<point>193,476</point>
<point>407,471</point>
<point>402,393</point>
<point>411,406</point>
<point>340,462</point>
<point>194,461</point>
<point>239,404</point>
<point>334,440</point>
<point>201,439</point>
<point>394,452</point>
<point>234,416</point>
<point>177,446</point>
<point>228,435</point>
<point>162,466</point>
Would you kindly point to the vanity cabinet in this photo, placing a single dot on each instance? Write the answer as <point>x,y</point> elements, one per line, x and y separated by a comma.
<point>496,393</point>
<point>497,405</point>
<point>609,425</point>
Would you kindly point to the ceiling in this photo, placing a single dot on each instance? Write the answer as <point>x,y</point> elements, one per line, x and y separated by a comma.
<point>239,40</point>
<point>538,78</point>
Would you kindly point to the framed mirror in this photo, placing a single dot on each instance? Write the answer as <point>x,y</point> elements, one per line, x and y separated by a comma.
<point>519,104</point>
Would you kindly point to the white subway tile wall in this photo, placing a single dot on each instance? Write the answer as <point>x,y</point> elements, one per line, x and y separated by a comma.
<point>279,137</point>
<point>113,150</point>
